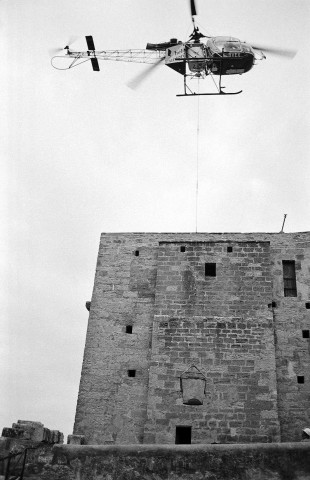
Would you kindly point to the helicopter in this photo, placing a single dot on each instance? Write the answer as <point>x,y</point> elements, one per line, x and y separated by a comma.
<point>197,58</point>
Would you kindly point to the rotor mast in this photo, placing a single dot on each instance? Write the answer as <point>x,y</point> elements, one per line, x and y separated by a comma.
<point>196,35</point>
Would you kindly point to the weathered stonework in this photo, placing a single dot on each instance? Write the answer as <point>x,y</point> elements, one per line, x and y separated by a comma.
<point>32,431</point>
<point>157,310</point>
<point>26,448</point>
<point>290,461</point>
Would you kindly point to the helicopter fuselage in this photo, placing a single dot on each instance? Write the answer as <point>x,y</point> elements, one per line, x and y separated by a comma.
<point>219,56</point>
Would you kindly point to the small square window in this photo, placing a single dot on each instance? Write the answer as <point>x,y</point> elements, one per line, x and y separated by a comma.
<point>300,379</point>
<point>229,249</point>
<point>210,269</point>
<point>182,249</point>
<point>305,334</point>
<point>137,253</point>
<point>128,328</point>
<point>131,373</point>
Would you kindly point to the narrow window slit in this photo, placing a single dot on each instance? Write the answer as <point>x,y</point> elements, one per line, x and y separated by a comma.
<point>289,278</point>
<point>137,253</point>
<point>128,328</point>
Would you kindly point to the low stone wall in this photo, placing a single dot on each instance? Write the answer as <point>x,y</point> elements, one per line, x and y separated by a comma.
<point>281,461</point>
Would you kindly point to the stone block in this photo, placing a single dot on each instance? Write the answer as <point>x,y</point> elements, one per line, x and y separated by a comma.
<point>27,430</point>
<point>33,431</point>
<point>76,440</point>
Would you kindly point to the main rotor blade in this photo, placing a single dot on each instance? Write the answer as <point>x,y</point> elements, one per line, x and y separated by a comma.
<point>275,51</point>
<point>95,64</point>
<point>135,82</point>
<point>193,8</point>
<point>90,42</point>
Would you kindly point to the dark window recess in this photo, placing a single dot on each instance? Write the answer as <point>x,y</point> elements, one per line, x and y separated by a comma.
<point>182,249</point>
<point>308,305</point>
<point>137,253</point>
<point>128,328</point>
<point>183,435</point>
<point>210,269</point>
<point>305,334</point>
<point>300,379</point>
<point>131,373</point>
<point>229,249</point>
<point>272,305</point>
<point>289,278</point>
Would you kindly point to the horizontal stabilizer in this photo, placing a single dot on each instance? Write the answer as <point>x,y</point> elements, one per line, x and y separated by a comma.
<point>95,64</point>
<point>90,42</point>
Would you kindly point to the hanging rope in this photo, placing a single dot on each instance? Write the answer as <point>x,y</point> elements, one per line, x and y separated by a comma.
<point>197,157</point>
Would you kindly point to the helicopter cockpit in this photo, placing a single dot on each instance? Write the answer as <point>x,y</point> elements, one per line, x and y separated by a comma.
<point>224,44</point>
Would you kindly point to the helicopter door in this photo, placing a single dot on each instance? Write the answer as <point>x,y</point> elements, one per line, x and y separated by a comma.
<point>195,54</point>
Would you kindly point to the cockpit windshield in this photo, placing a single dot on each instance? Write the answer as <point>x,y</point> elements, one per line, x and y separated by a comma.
<point>228,44</point>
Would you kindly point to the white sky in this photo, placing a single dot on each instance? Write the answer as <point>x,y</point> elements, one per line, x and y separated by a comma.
<point>83,154</point>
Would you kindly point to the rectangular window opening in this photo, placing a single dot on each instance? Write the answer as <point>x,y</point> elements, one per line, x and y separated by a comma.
<point>131,373</point>
<point>229,249</point>
<point>183,435</point>
<point>305,334</point>
<point>182,249</point>
<point>308,305</point>
<point>210,269</point>
<point>137,253</point>
<point>128,328</point>
<point>289,278</point>
<point>300,379</point>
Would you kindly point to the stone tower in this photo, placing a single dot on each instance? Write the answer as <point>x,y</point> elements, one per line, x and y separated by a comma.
<point>197,338</point>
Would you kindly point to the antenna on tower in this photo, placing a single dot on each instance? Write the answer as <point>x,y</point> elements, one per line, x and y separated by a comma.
<point>285,215</point>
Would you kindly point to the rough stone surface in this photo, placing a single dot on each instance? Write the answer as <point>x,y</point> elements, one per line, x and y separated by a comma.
<point>33,437</point>
<point>182,462</point>
<point>76,439</point>
<point>33,431</point>
<point>234,324</point>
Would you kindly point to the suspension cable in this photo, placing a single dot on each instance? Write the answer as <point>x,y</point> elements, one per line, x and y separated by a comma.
<point>197,156</point>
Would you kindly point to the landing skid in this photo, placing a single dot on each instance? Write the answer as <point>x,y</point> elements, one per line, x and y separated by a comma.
<point>188,92</point>
<point>198,94</point>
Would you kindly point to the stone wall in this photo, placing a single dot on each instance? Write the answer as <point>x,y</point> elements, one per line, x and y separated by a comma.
<point>289,461</point>
<point>111,405</point>
<point>291,319</point>
<point>222,325</point>
<point>244,336</point>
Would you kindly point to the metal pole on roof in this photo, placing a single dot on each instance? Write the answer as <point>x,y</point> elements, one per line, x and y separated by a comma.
<point>285,215</point>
